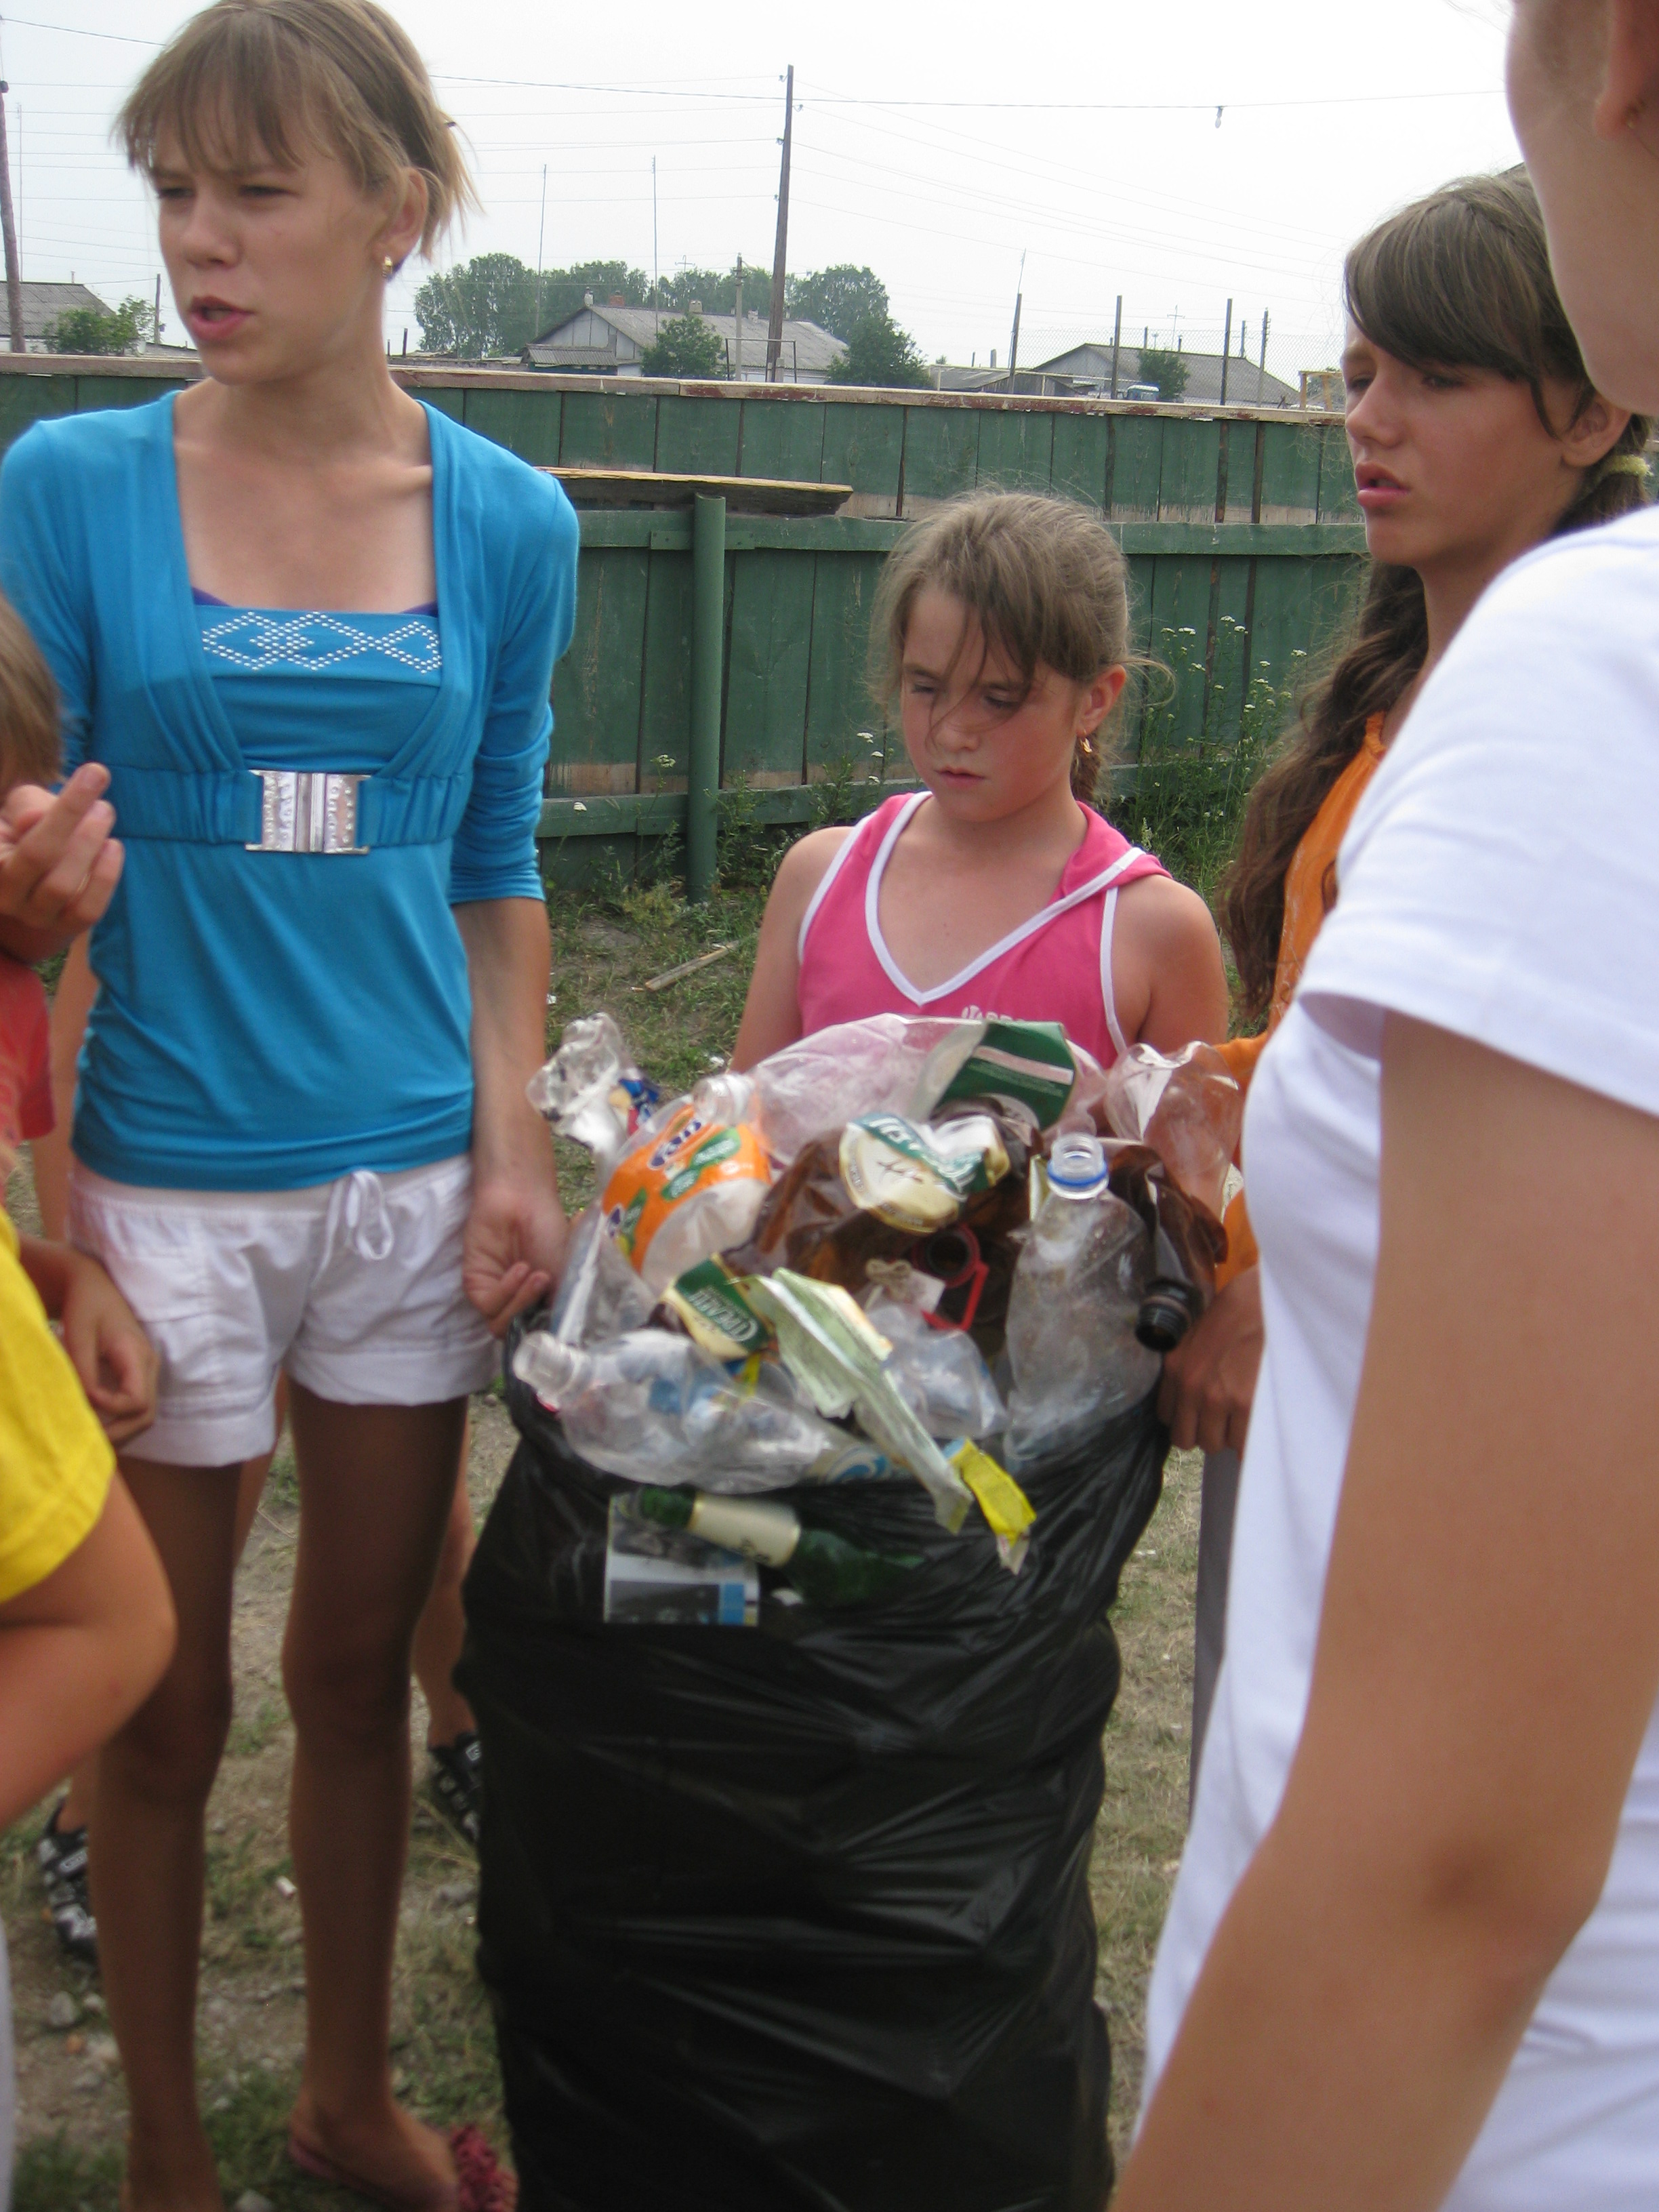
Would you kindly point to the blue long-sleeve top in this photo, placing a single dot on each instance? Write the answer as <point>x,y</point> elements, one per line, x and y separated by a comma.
<point>270,1019</point>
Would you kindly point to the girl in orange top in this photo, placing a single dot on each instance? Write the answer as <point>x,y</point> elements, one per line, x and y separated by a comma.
<point>1476,434</point>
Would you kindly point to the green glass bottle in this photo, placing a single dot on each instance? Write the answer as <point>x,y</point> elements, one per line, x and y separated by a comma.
<point>823,1566</point>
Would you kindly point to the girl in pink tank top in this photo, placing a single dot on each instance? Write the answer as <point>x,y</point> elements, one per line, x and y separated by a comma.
<point>1002,627</point>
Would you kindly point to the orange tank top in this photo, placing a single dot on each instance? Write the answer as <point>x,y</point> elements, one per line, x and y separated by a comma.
<point>1308,882</point>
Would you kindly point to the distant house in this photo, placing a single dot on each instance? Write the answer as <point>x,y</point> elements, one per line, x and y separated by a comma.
<point>1090,365</point>
<point>42,305</point>
<point>613,341</point>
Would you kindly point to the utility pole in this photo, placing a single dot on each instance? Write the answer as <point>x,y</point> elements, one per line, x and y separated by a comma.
<point>541,242</point>
<point>1261,372</point>
<point>1013,343</point>
<point>155,319</point>
<point>780,255</point>
<point>738,320</point>
<point>9,233</point>
<point>656,281</point>
<point>1117,335</point>
<point>1226,351</point>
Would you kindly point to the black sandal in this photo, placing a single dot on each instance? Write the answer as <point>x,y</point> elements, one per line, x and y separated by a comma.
<point>456,1786</point>
<point>61,1857</point>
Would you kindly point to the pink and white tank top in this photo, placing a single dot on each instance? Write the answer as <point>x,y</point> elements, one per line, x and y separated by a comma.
<point>1057,967</point>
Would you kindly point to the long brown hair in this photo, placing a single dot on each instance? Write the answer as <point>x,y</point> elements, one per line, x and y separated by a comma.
<point>1459,280</point>
<point>1043,576</point>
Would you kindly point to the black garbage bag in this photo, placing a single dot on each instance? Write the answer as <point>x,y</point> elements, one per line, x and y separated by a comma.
<point>798,1915</point>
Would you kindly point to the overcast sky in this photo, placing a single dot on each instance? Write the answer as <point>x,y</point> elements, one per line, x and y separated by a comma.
<point>937,147</point>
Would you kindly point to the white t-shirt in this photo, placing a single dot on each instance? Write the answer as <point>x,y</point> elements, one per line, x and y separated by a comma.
<point>1500,880</point>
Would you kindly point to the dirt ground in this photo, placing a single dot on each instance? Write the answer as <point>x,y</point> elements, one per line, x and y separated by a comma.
<point>71,2106</point>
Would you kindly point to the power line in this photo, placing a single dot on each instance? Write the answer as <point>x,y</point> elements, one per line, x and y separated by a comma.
<point>676,90</point>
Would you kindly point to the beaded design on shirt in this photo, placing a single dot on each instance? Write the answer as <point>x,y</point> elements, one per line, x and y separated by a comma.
<point>311,644</point>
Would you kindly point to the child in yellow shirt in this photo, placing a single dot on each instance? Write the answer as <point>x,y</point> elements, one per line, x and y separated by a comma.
<point>86,1619</point>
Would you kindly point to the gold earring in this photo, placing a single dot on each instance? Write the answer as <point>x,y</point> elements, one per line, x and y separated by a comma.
<point>388,264</point>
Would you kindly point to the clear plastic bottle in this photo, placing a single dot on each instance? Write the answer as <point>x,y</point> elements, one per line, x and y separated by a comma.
<point>656,1408</point>
<point>1077,1295</point>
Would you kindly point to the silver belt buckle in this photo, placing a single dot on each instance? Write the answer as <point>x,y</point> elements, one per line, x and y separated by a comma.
<point>307,811</point>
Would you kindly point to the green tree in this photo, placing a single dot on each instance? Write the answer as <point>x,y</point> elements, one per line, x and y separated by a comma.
<point>717,293</point>
<point>125,329</point>
<point>1164,367</point>
<point>686,347</point>
<point>837,300</point>
<point>878,352</point>
<point>487,305</point>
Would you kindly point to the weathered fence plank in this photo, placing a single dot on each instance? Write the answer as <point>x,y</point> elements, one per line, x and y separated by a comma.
<point>1244,540</point>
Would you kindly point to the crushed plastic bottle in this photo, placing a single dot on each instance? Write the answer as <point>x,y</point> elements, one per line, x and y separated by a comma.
<point>1076,1297</point>
<point>1187,1106</point>
<point>600,1296</point>
<point>938,1373</point>
<point>655,1408</point>
<point>591,1090</point>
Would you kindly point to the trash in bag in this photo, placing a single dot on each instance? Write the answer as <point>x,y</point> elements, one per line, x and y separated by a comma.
<point>591,1090</point>
<point>599,1295</point>
<point>945,1196</point>
<point>822,1566</point>
<point>1187,1106</point>
<point>839,1360</point>
<point>938,1372</point>
<point>660,1404</point>
<point>690,1183</point>
<point>887,1064</point>
<point>1088,1257</point>
<point>795,1917</point>
<point>1188,1244</point>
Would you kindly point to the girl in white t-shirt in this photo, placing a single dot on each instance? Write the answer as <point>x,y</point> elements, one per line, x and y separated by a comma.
<point>1413,1956</point>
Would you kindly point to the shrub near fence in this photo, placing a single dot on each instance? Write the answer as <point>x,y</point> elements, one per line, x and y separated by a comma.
<point>1243,536</point>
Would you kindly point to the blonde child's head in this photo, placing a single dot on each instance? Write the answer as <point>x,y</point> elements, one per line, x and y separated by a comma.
<point>1041,584</point>
<point>30,749</point>
<point>248,80</point>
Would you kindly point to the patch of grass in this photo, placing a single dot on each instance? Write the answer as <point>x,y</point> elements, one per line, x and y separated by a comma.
<point>283,1483</point>
<point>54,2174</point>
<point>250,1734</point>
<point>239,1892</point>
<point>1143,1815</point>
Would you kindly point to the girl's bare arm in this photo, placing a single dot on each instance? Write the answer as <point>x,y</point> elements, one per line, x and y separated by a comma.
<point>771,1012</point>
<point>80,1652</point>
<point>1167,974</point>
<point>1487,1662</point>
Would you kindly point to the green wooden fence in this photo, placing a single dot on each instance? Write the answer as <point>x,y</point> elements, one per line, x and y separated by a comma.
<point>1242,537</point>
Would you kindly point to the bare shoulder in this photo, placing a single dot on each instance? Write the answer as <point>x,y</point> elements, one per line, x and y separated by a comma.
<point>802,869</point>
<point>1164,918</point>
<point>1167,974</point>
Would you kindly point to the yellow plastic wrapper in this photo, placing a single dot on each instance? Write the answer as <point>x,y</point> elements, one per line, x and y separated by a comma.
<point>1004,1503</point>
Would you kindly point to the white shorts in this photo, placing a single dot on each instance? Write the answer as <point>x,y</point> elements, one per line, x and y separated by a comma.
<point>354,1286</point>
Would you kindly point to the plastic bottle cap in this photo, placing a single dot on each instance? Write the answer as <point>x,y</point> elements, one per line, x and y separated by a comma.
<point>1077,1163</point>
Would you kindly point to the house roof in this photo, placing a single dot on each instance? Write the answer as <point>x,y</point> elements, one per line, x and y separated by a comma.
<point>566,345</point>
<point>1091,363</point>
<point>43,303</point>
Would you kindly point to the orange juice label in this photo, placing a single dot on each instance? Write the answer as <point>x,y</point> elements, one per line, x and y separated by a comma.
<point>689,1154</point>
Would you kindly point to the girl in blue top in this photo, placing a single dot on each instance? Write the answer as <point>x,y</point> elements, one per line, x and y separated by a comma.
<point>308,626</point>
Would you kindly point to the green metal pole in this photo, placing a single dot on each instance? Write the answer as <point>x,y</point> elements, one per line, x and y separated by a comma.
<point>708,655</point>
